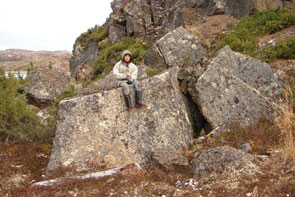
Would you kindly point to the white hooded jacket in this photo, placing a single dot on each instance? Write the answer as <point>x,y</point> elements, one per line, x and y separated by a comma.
<point>122,69</point>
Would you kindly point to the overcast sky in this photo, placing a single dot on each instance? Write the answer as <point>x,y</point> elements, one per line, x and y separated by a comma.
<point>48,25</point>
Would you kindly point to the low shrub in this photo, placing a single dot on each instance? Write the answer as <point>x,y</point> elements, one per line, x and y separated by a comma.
<point>284,49</point>
<point>263,136</point>
<point>69,92</point>
<point>95,34</point>
<point>152,71</point>
<point>244,36</point>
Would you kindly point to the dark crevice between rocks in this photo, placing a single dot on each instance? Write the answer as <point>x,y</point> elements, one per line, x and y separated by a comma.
<point>42,104</point>
<point>198,121</point>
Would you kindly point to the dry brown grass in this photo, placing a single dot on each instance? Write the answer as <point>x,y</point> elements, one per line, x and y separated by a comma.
<point>287,125</point>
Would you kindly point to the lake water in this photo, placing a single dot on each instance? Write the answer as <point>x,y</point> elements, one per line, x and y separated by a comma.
<point>16,75</point>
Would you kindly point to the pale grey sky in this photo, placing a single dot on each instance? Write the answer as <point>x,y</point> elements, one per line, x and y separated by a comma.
<point>48,24</point>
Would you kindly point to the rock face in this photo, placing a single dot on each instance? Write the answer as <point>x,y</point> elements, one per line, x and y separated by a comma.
<point>235,87</point>
<point>97,130</point>
<point>45,86</point>
<point>176,48</point>
<point>222,160</point>
<point>260,5</point>
<point>236,8</point>
<point>80,63</point>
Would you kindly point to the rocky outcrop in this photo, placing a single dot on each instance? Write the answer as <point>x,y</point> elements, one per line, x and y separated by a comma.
<point>80,63</point>
<point>176,48</point>
<point>97,131</point>
<point>236,8</point>
<point>45,86</point>
<point>235,87</point>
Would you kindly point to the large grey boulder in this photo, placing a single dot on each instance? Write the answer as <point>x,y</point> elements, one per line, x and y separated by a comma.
<point>45,86</point>
<point>225,160</point>
<point>176,48</point>
<point>96,130</point>
<point>236,8</point>
<point>235,88</point>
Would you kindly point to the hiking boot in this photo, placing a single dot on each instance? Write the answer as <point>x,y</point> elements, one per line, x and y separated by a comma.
<point>138,100</point>
<point>128,102</point>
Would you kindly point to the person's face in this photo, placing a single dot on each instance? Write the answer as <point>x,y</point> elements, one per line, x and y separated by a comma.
<point>127,58</point>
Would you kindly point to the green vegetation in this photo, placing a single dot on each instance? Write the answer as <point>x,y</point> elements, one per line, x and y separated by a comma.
<point>284,49</point>
<point>69,92</point>
<point>18,122</point>
<point>152,71</point>
<point>95,34</point>
<point>112,53</point>
<point>244,37</point>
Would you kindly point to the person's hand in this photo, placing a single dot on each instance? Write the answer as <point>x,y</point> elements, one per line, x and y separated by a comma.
<point>128,77</point>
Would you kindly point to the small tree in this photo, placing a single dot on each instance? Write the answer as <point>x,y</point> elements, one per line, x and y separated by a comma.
<point>18,122</point>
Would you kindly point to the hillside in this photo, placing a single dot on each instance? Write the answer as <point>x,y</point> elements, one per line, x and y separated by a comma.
<point>19,60</point>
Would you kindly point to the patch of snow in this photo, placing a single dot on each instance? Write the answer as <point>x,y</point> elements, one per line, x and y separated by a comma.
<point>192,183</point>
<point>189,182</point>
<point>16,166</point>
<point>272,42</point>
<point>42,155</point>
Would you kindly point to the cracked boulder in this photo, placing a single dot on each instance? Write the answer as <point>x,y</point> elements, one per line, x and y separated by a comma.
<point>235,88</point>
<point>176,48</point>
<point>97,131</point>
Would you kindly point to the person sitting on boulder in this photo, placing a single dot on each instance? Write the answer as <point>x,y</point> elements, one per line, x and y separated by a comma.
<point>126,74</point>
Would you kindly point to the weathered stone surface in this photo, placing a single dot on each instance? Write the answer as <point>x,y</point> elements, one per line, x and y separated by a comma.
<point>186,3</point>
<point>158,11</point>
<point>170,159</point>
<point>222,160</point>
<point>179,47</point>
<point>82,59</point>
<point>116,5</point>
<point>235,87</point>
<point>45,86</point>
<point>154,59</point>
<point>236,8</point>
<point>116,32</point>
<point>260,5</point>
<point>173,21</point>
<point>97,130</point>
